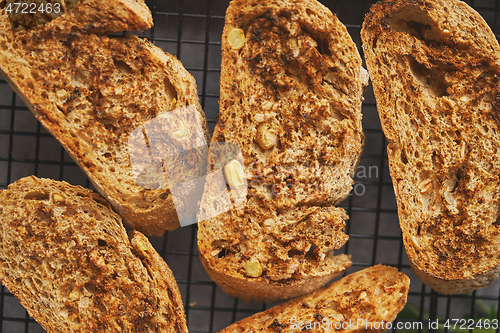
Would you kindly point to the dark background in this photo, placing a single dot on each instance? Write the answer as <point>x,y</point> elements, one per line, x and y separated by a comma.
<point>191,30</point>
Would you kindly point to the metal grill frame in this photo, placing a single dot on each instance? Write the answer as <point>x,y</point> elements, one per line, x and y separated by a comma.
<point>182,27</point>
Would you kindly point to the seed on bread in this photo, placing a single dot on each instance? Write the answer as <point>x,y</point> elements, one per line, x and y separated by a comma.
<point>464,99</point>
<point>253,269</point>
<point>56,197</point>
<point>266,137</point>
<point>62,94</point>
<point>236,38</point>
<point>269,222</point>
<point>74,295</point>
<point>267,105</point>
<point>416,242</point>
<point>425,186</point>
<point>234,173</point>
<point>294,46</point>
<point>181,130</point>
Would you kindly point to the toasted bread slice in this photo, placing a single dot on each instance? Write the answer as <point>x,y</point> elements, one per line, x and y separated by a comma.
<point>291,92</point>
<point>92,91</point>
<point>67,258</point>
<point>435,68</point>
<point>80,15</point>
<point>365,301</point>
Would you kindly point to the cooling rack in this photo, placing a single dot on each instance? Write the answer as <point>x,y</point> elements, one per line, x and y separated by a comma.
<point>191,29</point>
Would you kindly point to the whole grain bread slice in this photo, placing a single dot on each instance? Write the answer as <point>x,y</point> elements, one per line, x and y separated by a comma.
<point>365,301</point>
<point>80,15</point>
<point>66,256</point>
<point>291,92</point>
<point>435,68</point>
<point>92,92</point>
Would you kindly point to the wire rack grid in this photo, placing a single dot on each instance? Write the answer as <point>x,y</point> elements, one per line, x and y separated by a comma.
<point>191,30</point>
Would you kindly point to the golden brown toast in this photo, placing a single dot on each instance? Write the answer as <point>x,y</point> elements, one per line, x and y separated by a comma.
<point>365,301</point>
<point>66,256</point>
<point>92,91</point>
<point>435,68</point>
<point>292,85</point>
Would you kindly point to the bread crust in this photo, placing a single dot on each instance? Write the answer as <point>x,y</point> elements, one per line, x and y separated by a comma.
<point>66,256</point>
<point>435,68</point>
<point>291,92</point>
<point>265,291</point>
<point>91,92</point>
<point>88,16</point>
<point>368,299</point>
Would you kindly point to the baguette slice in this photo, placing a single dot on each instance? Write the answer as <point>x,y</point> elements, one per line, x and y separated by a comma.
<point>291,92</point>
<point>435,68</point>
<point>364,301</point>
<point>93,91</point>
<point>82,15</point>
<point>67,258</point>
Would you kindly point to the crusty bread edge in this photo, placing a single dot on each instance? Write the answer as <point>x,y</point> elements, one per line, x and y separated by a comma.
<point>263,292</point>
<point>440,285</point>
<point>126,15</point>
<point>161,274</point>
<point>252,321</point>
<point>157,221</point>
<point>154,222</point>
<point>150,222</point>
<point>456,286</point>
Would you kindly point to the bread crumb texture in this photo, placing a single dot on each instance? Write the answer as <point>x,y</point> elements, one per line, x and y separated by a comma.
<point>435,71</point>
<point>67,258</point>
<point>78,15</point>
<point>374,295</point>
<point>92,91</point>
<point>291,93</point>
<point>40,12</point>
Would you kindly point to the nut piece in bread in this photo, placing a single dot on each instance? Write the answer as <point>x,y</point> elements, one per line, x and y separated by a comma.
<point>92,91</point>
<point>364,301</point>
<point>435,68</point>
<point>66,256</point>
<point>291,91</point>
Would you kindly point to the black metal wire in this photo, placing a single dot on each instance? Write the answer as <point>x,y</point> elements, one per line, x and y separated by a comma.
<point>219,310</point>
